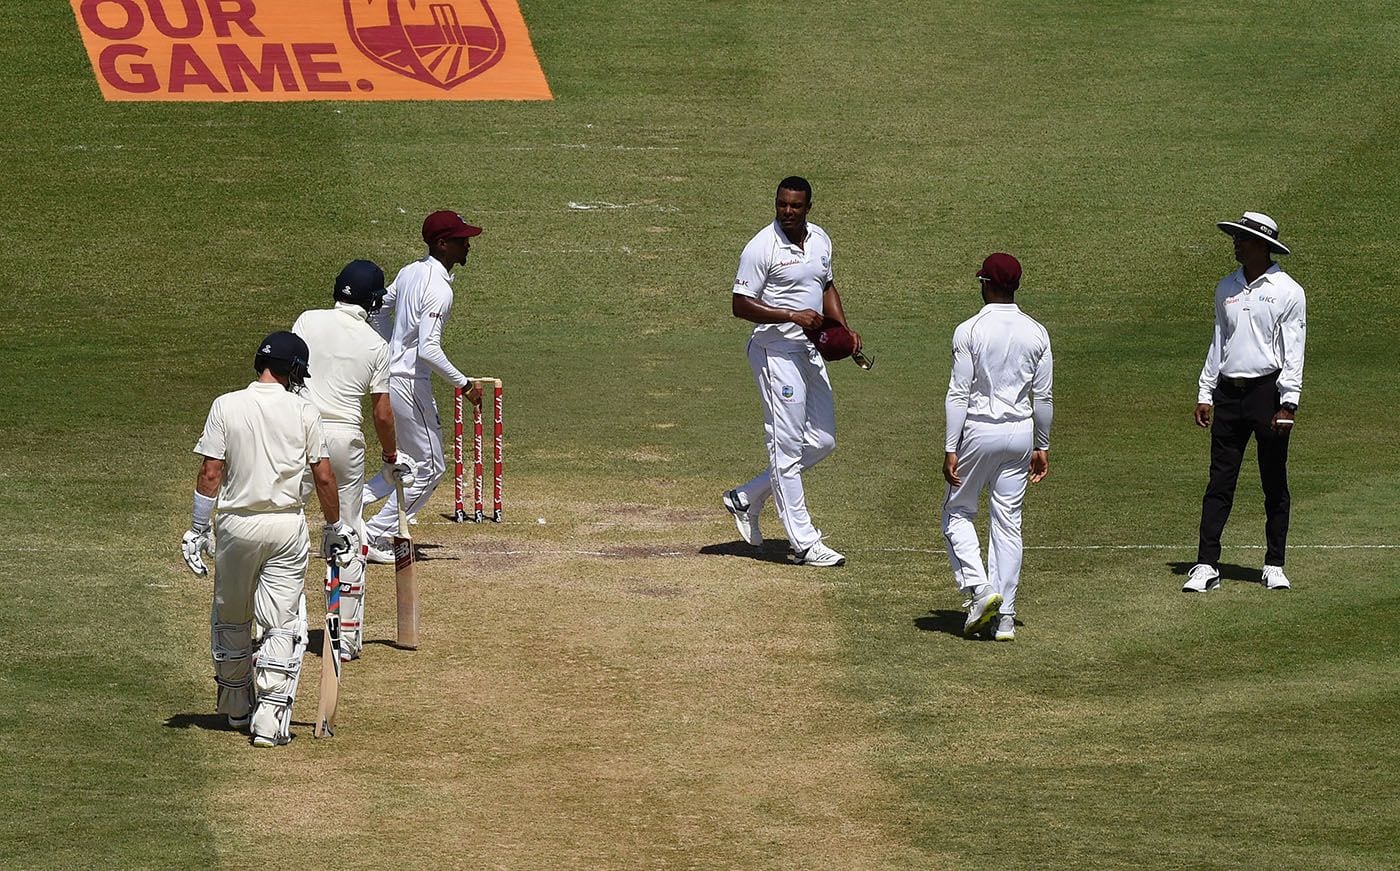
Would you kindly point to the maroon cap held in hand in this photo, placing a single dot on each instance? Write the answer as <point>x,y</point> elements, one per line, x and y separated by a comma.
<point>833,341</point>
<point>447,225</point>
<point>1003,270</point>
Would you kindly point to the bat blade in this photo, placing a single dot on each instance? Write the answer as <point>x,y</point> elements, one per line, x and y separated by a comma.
<point>406,585</point>
<point>330,656</point>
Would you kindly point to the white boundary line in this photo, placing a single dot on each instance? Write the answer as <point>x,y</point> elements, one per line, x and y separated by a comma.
<point>622,551</point>
<point>1141,547</point>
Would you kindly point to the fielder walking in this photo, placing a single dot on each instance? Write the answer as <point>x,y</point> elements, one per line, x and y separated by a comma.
<point>419,301</point>
<point>999,409</point>
<point>785,285</point>
<point>351,361</point>
<point>256,446</point>
<point>1251,381</point>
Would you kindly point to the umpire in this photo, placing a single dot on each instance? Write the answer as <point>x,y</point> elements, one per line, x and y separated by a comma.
<point>1251,380</point>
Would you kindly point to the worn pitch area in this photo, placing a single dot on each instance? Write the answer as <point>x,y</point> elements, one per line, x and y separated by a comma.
<point>647,706</point>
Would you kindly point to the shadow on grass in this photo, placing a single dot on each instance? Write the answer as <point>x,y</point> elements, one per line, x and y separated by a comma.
<point>1228,572</point>
<point>389,642</point>
<point>421,553</point>
<point>774,550</point>
<point>207,722</point>
<point>950,622</point>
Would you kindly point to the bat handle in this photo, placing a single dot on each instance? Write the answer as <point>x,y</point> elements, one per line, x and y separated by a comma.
<point>403,513</point>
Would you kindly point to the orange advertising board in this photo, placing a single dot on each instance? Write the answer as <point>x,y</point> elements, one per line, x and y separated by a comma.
<point>278,50</point>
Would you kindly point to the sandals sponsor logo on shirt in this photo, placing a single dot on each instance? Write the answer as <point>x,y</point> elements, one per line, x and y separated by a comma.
<point>276,50</point>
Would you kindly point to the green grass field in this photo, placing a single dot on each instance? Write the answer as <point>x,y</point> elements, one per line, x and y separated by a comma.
<point>673,702</point>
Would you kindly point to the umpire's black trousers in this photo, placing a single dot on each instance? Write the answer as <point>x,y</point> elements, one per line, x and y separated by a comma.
<point>1245,406</point>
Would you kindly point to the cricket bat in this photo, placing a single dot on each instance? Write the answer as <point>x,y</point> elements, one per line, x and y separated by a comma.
<point>405,584</point>
<point>330,655</point>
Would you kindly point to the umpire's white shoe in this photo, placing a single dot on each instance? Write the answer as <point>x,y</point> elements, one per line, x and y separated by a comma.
<point>1005,628</point>
<point>1275,579</point>
<point>981,610</point>
<point>820,555</point>
<point>745,518</point>
<point>1203,579</point>
<point>380,551</point>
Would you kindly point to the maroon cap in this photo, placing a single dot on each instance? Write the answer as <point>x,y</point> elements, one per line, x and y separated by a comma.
<point>833,341</point>
<point>1003,270</point>
<point>447,225</point>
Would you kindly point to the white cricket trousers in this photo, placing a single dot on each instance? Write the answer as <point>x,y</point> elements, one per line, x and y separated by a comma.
<point>259,571</point>
<point>346,446</point>
<point>799,430</point>
<point>419,432</point>
<point>995,457</point>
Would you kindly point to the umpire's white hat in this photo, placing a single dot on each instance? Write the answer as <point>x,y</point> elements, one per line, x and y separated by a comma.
<point>1255,224</point>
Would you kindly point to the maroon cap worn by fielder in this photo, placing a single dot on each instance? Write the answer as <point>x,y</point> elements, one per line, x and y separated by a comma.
<point>1000,269</point>
<point>447,225</point>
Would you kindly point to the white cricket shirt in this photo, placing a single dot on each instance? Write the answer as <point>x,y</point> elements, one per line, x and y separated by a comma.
<point>1002,371</point>
<point>777,272</point>
<point>266,437</point>
<point>1260,328</point>
<point>348,361</point>
<point>420,301</point>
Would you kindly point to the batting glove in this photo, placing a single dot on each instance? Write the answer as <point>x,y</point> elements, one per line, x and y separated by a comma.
<point>402,471</point>
<point>193,546</point>
<point>340,541</point>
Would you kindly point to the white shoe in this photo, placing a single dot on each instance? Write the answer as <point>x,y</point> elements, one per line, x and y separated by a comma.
<point>265,729</point>
<point>820,555</point>
<point>1275,579</point>
<point>379,551</point>
<point>1006,628</point>
<point>745,518</point>
<point>981,610</point>
<point>1203,579</point>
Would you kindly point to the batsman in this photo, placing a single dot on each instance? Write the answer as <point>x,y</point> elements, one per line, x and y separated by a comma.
<point>257,444</point>
<point>351,361</point>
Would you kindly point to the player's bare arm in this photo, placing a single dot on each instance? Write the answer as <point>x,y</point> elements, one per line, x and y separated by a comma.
<point>326,490</point>
<point>196,542</point>
<point>831,303</point>
<point>383,414</point>
<point>750,309</point>
<point>1203,414</point>
<point>1283,419</point>
<point>210,478</point>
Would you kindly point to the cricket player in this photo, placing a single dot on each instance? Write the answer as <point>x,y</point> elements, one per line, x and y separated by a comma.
<point>1252,379</point>
<point>351,361</point>
<point>785,285</point>
<point>257,444</point>
<point>419,301</point>
<point>999,409</point>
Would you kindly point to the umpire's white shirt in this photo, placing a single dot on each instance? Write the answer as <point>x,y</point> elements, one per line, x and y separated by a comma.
<point>1002,371</point>
<point>1260,328</point>
<point>777,272</point>
<point>420,298</point>
<point>348,361</point>
<point>266,437</point>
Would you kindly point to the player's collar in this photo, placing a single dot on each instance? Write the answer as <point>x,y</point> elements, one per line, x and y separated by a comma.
<point>436,265</point>
<point>353,310</point>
